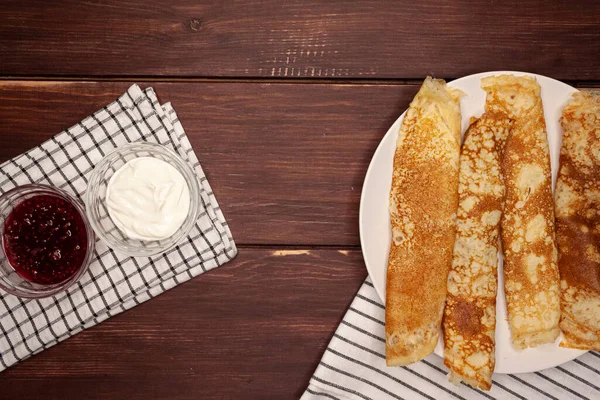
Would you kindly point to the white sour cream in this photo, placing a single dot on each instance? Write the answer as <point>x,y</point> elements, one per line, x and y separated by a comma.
<point>148,199</point>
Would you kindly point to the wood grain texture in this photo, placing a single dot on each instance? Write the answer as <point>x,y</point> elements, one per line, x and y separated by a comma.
<point>286,161</point>
<point>243,330</point>
<point>315,38</point>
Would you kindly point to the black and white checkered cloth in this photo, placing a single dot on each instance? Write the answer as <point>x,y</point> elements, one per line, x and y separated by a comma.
<point>353,367</point>
<point>113,283</point>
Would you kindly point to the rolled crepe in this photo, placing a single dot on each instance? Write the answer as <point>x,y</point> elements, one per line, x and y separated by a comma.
<point>578,222</point>
<point>470,313</point>
<point>423,202</point>
<point>531,281</point>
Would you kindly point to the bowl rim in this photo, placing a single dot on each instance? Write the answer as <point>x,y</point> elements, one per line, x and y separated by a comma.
<point>91,242</point>
<point>193,185</point>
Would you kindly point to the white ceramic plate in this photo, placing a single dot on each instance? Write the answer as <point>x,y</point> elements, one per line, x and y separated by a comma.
<point>375,228</point>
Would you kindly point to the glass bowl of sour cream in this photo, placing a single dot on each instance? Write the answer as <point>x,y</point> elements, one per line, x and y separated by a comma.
<point>142,199</point>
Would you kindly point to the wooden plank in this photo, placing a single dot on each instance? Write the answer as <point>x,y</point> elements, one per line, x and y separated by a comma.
<point>286,162</point>
<point>317,38</point>
<point>253,329</point>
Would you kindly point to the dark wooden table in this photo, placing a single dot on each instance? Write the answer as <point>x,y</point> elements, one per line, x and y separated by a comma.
<point>284,103</point>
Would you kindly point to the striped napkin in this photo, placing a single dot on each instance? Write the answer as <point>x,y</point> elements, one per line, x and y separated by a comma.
<point>353,367</point>
<point>114,283</point>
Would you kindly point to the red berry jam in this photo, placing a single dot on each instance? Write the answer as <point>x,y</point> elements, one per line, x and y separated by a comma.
<point>45,239</point>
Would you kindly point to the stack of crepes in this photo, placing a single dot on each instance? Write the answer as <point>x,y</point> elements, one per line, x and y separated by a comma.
<point>501,185</point>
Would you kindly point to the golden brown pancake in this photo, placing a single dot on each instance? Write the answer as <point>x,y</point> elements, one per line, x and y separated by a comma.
<point>531,281</point>
<point>578,222</point>
<point>423,203</point>
<point>470,313</point>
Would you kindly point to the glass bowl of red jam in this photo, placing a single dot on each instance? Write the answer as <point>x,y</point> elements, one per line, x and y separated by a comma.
<point>47,242</point>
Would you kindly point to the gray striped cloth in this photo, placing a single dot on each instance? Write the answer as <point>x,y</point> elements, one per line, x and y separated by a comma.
<point>114,282</point>
<point>353,367</point>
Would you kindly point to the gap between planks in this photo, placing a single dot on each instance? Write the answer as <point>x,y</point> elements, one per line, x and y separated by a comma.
<point>265,246</point>
<point>289,81</point>
<point>284,250</point>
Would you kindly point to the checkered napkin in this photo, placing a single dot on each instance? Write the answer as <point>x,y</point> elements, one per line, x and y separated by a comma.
<point>353,367</point>
<point>113,283</point>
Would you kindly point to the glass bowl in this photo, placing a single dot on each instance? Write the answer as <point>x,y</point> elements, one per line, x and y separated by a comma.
<point>10,280</point>
<point>97,210</point>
